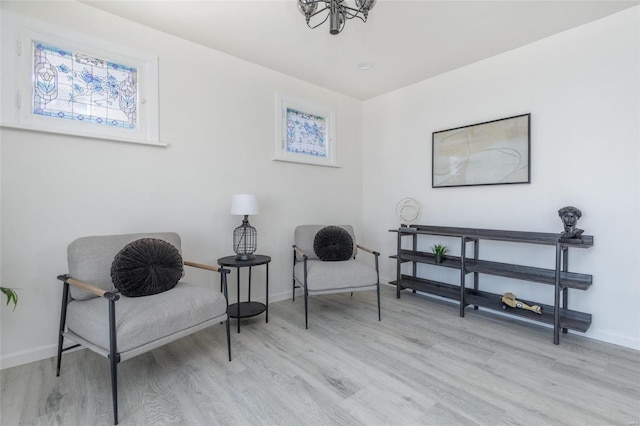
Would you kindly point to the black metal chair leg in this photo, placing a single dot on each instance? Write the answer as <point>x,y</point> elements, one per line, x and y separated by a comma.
<point>59,360</point>
<point>306,316</point>
<point>376,256</point>
<point>378,290</point>
<point>228,338</point>
<point>114,387</point>
<point>293,274</point>
<point>114,358</point>
<point>294,290</point>
<point>63,320</point>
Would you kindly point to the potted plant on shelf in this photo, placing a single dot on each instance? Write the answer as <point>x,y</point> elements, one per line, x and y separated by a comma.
<point>11,295</point>
<point>439,250</point>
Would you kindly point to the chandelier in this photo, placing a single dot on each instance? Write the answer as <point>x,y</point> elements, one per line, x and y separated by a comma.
<point>337,12</point>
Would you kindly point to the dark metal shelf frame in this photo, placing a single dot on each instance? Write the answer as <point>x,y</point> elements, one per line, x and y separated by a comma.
<point>557,314</point>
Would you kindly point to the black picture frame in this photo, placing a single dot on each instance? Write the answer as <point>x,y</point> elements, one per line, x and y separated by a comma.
<point>494,152</point>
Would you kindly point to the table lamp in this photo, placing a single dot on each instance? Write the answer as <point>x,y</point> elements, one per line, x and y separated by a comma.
<point>244,236</point>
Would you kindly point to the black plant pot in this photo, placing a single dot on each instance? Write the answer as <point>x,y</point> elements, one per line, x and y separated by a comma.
<point>439,258</point>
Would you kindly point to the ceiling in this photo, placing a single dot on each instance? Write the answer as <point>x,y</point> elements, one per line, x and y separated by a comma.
<point>406,41</point>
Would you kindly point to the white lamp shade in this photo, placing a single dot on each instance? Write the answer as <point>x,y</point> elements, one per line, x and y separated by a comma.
<point>244,204</point>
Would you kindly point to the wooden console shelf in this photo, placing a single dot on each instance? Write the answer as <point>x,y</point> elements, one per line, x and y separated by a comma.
<point>559,276</point>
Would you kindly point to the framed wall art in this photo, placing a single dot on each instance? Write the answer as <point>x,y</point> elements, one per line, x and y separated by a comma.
<point>490,153</point>
<point>305,133</point>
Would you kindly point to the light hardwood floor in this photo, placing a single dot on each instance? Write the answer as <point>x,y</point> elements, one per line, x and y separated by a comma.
<point>422,365</point>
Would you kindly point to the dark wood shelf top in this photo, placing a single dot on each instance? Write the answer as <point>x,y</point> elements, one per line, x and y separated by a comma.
<point>494,234</point>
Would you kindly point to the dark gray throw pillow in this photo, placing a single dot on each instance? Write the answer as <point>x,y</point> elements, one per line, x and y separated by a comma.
<point>333,243</point>
<point>146,266</point>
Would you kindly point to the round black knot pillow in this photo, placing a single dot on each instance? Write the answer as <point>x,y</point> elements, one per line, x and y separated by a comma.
<point>333,243</point>
<point>146,266</point>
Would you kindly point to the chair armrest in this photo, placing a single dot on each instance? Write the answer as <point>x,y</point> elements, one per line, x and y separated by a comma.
<point>223,275</point>
<point>368,250</point>
<point>207,267</point>
<point>300,252</point>
<point>88,287</point>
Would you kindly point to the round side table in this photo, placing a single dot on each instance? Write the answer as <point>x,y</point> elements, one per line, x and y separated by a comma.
<point>247,309</point>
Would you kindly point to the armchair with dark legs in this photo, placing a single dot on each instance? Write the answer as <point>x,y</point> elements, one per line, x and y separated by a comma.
<point>121,324</point>
<point>324,262</point>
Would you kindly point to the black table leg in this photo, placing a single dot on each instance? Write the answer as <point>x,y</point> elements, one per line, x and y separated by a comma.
<point>247,308</point>
<point>249,294</point>
<point>238,296</point>
<point>267,296</point>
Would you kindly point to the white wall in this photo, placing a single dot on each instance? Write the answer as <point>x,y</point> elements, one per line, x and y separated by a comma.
<point>217,113</point>
<point>583,92</point>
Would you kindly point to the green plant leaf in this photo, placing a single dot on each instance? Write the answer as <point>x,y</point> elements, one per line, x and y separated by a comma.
<point>439,249</point>
<point>11,295</point>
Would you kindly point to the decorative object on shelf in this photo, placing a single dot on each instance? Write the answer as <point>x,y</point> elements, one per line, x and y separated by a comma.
<point>439,250</point>
<point>408,211</point>
<point>570,216</point>
<point>244,236</point>
<point>509,299</point>
<point>490,153</point>
<point>337,12</point>
<point>11,294</point>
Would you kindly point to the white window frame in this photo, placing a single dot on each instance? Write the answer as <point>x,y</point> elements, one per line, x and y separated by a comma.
<point>284,102</point>
<point>18,35</point>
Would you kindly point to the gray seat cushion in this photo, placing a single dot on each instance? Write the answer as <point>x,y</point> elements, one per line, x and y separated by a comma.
<point>143,320</point>
<point>334,277</point>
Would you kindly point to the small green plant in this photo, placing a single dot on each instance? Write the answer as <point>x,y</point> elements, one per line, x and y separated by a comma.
<point>12,296</point>
<point>439,249</point>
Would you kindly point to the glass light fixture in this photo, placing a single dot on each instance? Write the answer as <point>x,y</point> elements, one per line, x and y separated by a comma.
<point>337,12</point>
<point>244,236</point>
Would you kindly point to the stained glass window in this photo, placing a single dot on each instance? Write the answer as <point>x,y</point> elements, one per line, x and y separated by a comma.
<point>74,86</point>
<point>306,133</point>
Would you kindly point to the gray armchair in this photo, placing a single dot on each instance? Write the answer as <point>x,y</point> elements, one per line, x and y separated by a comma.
<point>317,277</point>
<point>96,316</point>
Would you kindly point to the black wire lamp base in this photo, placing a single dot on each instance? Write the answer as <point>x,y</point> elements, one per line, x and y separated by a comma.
<point>245,240</point>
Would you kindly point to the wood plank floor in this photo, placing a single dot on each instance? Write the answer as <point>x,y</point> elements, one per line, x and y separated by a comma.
<point>422,365</point>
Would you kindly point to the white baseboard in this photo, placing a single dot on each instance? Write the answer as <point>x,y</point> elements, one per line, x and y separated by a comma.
<point>48,351</point>
<point>614,339</point>
<point>25,357</point>
<point>590,334</point>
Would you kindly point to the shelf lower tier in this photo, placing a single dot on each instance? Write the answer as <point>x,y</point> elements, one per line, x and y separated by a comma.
<point>569,319</point>
<point>428,286</point>
<point>247,309</point>
<point>529,273</point>
<point>525,273</point>
<point>428,258</point>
